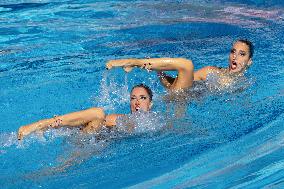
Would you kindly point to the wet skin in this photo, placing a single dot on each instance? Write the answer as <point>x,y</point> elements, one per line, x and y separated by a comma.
<point>140,100</point>
<point>239,58</point>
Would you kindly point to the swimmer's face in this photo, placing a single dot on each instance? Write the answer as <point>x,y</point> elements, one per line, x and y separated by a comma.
<point>140,100</point>
<point>239,58</point>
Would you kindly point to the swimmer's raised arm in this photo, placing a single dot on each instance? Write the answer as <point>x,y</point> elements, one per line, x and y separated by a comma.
<point>183,66</point>
<point>91,118</point>
<point>158,64</point>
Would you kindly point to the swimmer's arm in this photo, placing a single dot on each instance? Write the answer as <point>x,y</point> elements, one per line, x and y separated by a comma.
<point>183,66</point>
<point>27,129</point>
<point>158,64</point>
<point>74,119</point>
<point>202,73</point>
<point>110,120</point>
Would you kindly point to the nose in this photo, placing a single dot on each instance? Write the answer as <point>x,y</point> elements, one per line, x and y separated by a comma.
<point>137,102</point>
<point>235,56</point>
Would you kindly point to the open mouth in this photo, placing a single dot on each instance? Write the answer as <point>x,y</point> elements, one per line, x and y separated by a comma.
<point>233,65</point>
<point>137,108</point>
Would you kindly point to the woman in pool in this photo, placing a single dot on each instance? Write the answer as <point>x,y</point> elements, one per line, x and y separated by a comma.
<point>240,59</point>
<point>91,120</point>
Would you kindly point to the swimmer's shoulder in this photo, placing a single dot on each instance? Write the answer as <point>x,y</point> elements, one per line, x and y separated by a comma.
<point>202,73</point>
<point>110,120</point>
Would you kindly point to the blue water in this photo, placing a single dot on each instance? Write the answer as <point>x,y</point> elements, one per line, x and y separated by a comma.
<point>52,57</point>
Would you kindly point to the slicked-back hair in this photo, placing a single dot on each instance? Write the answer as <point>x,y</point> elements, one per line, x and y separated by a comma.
<point>249,44</point>
<point>149,91</point>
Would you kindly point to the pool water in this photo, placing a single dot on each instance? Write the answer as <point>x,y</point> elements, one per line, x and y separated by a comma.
<point>52,61</point>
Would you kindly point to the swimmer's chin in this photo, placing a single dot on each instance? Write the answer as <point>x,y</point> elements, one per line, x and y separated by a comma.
<point>139,110</point>
<point>236,71</point>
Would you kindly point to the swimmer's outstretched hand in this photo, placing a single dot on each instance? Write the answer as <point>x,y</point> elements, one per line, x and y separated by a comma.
<point>126,64</point>
<point>37,126</point>
<point>24,131</point>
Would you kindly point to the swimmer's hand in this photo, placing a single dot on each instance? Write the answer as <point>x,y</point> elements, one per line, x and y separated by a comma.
<point>37,126</point>
<point>126,64</point>
<point>24,131</point>
<point>147,66</point>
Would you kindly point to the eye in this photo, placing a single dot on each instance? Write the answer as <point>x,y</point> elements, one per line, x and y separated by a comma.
<point>242,53</point>
<point>233,51</point>
<point>132,98</point>
<point>143,97</point>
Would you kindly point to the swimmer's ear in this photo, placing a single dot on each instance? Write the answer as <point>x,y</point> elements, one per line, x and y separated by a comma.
<point>250,62</point>
<point>151,104</point>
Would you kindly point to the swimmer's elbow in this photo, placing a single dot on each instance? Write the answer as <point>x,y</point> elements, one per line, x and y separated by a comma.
<point>99,112</point>
<point>185,64</point>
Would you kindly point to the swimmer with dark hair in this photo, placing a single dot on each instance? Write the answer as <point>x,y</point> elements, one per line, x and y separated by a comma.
<point>240,59</point>
<point>91,120</point>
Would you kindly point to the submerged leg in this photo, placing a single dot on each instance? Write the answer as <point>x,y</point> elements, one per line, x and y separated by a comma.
<point>74,119</point>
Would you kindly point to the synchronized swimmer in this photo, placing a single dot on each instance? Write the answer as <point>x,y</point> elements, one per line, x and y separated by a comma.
<point>240,59</point>
<point>92,119</point>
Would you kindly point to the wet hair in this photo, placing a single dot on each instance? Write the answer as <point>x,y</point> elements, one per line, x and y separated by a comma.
<point>149,91</point>
<point>249,44</point>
